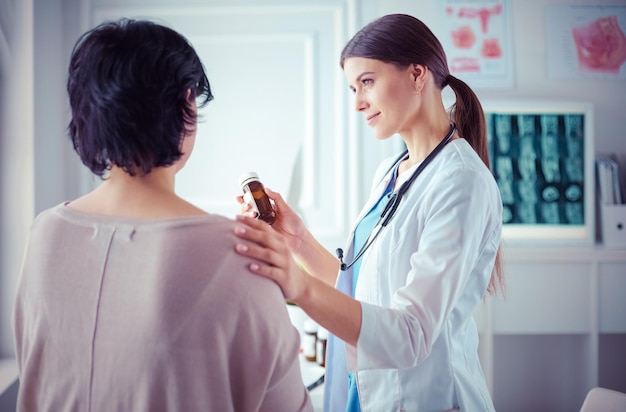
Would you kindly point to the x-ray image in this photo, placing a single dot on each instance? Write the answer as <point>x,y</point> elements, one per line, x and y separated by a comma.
<point>549,145</point>
<point>550,168</point>
<point>574,135</point>
<point>503,132</point>
<point>526,125</point>
<point>504,167</point>
<point>527,158</point>
<point>549,125</point>
<point>574,213</point>
<point>550,213</point>
<point>527,213</point>
<point>538,162</point>
<point>574,169</point>
<point>506,191</point>
<point>527,191</point>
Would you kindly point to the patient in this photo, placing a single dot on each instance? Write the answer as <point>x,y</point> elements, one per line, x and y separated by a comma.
<point>131,298</point>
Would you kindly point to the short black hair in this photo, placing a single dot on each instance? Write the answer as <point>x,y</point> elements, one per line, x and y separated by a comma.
<point>128,85</point>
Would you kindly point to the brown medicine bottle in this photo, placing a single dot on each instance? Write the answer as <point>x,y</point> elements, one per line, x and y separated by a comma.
<point>309,343</point>
<point>322,340</point>
<point>254,193</point>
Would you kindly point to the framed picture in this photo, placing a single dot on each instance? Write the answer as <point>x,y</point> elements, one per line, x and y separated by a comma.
<point>542,156</point>
<point>478,38</point>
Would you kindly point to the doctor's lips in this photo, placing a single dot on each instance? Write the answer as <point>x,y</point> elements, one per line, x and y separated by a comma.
<point>371,117</point>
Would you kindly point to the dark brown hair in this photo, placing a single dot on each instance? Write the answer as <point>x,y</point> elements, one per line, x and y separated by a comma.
<point>403,40</point>
<point>128,86</point>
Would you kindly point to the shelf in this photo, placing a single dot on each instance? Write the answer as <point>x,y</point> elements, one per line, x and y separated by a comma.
<point>559,253</point>
<point>560,328</point>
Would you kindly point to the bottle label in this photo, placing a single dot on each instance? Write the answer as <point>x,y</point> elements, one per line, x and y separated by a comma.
<point>308,346</point>
<point>321,352</point>
<point>249,199</point>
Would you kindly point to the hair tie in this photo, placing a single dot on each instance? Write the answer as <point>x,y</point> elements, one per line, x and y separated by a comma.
<point>446,81</point>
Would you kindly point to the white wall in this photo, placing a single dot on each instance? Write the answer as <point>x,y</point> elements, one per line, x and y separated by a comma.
<point>59,174</point>
<point>16,151</point>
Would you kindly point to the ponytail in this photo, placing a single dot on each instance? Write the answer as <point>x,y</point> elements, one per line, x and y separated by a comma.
<point>467,113</point>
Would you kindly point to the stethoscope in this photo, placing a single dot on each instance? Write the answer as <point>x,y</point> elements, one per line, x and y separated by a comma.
<point>390,209</point>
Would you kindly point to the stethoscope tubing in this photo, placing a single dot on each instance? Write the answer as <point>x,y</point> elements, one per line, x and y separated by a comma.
<point>390,208</point>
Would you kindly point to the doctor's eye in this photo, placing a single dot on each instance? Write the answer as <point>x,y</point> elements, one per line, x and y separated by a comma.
<point>367,82</point>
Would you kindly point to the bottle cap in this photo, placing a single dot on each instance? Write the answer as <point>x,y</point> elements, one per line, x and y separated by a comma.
<point>322,333</point>
<point>246,177</point>
<point>310,326</point>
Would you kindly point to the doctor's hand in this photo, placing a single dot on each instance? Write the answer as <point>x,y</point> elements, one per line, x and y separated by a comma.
<point>274,260</point>
<point>287,222</point>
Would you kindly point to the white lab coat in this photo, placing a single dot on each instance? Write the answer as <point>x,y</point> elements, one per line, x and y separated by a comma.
<point>419,284</point>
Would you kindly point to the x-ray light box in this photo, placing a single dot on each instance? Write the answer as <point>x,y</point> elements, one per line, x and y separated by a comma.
<point>542,156</point>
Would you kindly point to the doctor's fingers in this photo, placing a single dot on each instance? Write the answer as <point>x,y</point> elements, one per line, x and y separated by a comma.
<point>272,265</point>
<point>263,256</point>
<point>280,203</point>
<point>285,276</point>
<point>279,267</point>
<point>268,245</point>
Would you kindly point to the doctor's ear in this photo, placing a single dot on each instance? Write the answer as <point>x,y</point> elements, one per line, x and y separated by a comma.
<point>418,72</point>
<point>418,77</point>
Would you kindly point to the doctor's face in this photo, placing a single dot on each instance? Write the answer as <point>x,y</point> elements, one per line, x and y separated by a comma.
<point>384,93</point>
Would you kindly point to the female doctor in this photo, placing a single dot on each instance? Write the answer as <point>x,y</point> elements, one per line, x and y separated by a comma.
<point>399,301</point>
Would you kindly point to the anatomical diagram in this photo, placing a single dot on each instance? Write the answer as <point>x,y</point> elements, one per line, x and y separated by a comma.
<point>601,45</point>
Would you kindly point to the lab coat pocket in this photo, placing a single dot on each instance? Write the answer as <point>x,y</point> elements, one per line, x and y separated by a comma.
<point>379,390</point>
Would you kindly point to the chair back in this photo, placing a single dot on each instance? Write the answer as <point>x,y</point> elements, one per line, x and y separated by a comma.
<point>604,400</point>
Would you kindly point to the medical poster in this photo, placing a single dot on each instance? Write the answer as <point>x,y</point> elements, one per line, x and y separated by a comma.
<point>586,41</point>
<point>476,36</point>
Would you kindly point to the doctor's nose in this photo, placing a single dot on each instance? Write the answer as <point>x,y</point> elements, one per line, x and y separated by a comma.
<point>359,103</point>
